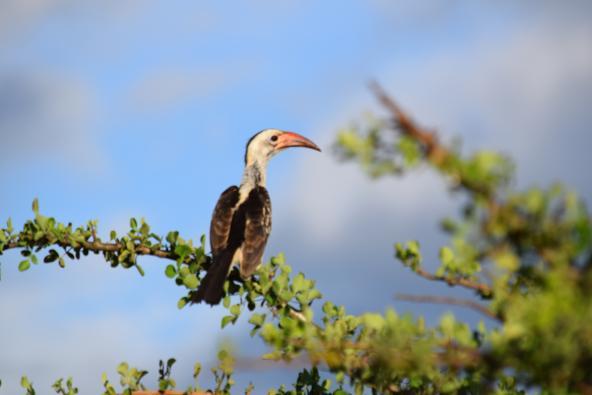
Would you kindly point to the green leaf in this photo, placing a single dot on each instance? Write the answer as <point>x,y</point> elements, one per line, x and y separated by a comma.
<point>299,283</point>
<point>140,269</point>
<point>123,256</point>
<point>196,369</point>
<point>182,250</point>
<point>35,206</point>
<point>410,150</point>
<point>373,321</point>
<point>42,221</point>
<point>52,256</point>
<point>413,247</point>
<point>235,309</point>
<point>446,255</point>
<point>227,319</point>
<point>24,265</point>
<point>144,228</point>
<point>257,319</point>
<point>172,237</point>
<point>122,368</point>
<point>170,271</point>
<point>190,281</point>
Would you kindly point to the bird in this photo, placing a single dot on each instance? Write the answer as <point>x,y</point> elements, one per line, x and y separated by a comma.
<point>241,221</point>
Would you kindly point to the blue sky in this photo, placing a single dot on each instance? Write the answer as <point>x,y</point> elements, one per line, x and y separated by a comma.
<point>111,110</point>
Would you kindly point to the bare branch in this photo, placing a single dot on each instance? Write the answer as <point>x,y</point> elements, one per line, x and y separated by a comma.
<point>482,289</point>
<point>451,301</point>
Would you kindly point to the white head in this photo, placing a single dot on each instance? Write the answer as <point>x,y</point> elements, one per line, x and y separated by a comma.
<point>261,147</point>
<point>265,144</point>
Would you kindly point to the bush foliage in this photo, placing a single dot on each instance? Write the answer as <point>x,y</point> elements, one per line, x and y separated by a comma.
<point>526,255</point>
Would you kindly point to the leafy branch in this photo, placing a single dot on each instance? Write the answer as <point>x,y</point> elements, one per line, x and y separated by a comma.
<point>44,232</point>
<point>527,255</point>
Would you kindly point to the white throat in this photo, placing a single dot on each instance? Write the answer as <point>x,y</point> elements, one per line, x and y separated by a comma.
<point>254,175</point>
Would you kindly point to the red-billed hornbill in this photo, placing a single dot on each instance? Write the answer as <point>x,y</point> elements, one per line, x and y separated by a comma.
<point>241,221</point>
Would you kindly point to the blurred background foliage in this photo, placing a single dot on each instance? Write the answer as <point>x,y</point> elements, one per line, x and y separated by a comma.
<point>525,254</point>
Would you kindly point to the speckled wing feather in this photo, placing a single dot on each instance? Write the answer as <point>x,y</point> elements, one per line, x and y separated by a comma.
<point>211,288</point>
<point>222,220</point>
<point>257,229</point>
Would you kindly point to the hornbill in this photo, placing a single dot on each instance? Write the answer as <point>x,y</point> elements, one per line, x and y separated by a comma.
<point>241,221</point>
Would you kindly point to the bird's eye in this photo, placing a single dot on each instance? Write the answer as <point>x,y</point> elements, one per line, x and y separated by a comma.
<point>273,138</point>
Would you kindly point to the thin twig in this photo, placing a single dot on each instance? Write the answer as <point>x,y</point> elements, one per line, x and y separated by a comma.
<point>451,301</point>
<point>483,289</point>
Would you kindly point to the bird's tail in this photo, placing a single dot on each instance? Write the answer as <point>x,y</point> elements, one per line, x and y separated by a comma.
<point>211,288</point>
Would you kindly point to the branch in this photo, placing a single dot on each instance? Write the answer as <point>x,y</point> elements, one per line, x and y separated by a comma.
<point>451,301</point>
<point>45,233</point>
<point>483,289</point>
<point>434,151</point>
<point>98,247</point>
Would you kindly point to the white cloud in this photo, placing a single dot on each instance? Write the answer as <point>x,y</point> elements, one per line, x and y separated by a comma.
<point>20,14</point>
<point>522,93</point>
<point>49,116</point>
<point>19,17</point>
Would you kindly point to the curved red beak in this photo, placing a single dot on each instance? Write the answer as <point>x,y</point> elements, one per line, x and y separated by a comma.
<point>290,139</point>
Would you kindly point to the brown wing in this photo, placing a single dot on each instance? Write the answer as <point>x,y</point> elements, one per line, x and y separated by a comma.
<point>257,229</point>
<point>222,219</point>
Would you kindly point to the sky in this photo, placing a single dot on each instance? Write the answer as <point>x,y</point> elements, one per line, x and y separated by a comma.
<point>113,109</point>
